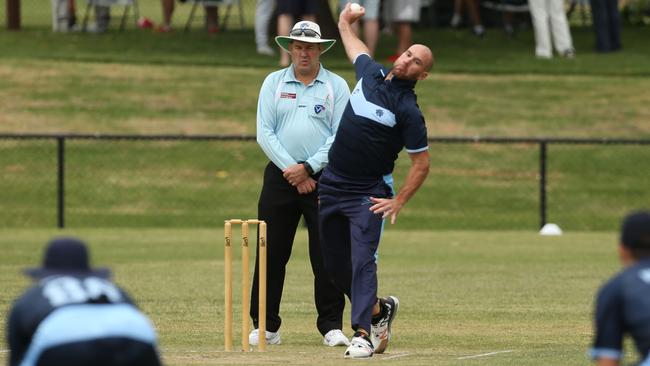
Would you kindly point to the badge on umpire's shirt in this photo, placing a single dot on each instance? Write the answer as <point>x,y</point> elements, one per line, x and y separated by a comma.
<point>318,108</point>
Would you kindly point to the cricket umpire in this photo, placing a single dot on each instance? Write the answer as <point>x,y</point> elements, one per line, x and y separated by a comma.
<point>623,303</point>
<point>298,113</point>
<point>76,316</point>
<point>381,118</point>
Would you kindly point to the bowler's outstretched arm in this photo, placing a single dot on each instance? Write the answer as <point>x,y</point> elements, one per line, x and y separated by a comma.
<point>416,176</point>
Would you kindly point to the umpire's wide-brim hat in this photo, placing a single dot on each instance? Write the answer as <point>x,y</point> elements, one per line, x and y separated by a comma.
<point>66,256</point>
<point>305,31</point>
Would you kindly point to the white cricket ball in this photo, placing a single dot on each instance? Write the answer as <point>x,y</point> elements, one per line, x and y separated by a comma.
<point>355,8</point>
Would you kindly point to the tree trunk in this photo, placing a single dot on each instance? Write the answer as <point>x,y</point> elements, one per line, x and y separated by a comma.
<point>13,14</point>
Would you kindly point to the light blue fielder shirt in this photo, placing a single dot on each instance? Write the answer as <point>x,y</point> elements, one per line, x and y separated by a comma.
<point>298,123</point>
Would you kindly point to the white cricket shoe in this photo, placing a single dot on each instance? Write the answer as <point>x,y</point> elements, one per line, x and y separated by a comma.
<point>271,337</point>
<point>335,337</point>
<point>380,333</point>
<point>360,347</point>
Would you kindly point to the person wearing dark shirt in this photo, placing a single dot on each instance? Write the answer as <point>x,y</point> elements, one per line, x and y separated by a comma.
<point>606,20</point>
<point>381,118</point>
<point>76,316</point>
<point>623,303</point>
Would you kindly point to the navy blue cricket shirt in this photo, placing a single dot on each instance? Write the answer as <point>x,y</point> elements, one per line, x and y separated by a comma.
<point>381,118</point>
<point>623,307</point>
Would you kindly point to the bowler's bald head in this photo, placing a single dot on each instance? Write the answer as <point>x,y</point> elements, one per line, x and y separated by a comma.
<point>423,53</point>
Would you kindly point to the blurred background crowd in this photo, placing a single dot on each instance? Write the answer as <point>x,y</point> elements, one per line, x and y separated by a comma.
<point>551,20</point>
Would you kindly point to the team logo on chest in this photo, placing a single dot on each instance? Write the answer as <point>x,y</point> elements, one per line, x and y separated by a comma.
<point>319,108</point>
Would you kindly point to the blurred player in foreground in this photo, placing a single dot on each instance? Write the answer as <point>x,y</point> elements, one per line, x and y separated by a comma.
<point>75,316</point>
<point>623,303</point>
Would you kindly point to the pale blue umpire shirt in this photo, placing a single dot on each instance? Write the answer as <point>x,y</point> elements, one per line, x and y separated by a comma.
<point>297,122</point>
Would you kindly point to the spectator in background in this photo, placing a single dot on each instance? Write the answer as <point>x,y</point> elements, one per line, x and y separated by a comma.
<point>508,26</point>
<point>474,15</point>
<point>607,25</point>
<point>263,12</point>
<point>401,14</point>
<point>370,22</point>
<point>72,14</point>
<point>622,303</point>
<point>510,9</point>
<point>75,316</point>
<point>211,18</point>
<point>102,18</point>
<point>549,20</point>
<point>290,11</point>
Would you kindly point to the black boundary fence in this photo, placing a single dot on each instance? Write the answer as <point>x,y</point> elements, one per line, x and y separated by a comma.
<point>542,143</point>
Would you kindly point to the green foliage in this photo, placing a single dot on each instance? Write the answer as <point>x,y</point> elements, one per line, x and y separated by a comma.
<point>636,12</point>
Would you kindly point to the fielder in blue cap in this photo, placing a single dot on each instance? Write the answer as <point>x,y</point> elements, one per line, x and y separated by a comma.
<point>623,303</point>
<point>75,316</point>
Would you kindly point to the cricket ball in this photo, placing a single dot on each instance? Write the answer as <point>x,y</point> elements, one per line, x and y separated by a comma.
<point>355,8</point>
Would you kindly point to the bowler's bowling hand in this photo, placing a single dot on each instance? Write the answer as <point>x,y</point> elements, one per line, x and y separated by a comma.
<point>295,174</point>
<point>351,15</point>
<point>386,207</point>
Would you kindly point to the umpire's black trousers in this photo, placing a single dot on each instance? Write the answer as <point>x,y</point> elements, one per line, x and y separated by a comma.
<point>281,206</point>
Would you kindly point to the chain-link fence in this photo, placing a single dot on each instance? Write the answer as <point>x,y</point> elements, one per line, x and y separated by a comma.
<point>175,181</point>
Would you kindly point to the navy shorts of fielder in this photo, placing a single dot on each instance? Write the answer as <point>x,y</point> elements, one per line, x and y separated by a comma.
<point>368,141</point>
<point>623,303</point>
<point>75,316</point>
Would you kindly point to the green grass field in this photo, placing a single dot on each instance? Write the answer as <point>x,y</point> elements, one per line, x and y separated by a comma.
<point>473,276</point>
<point>142,83</point>
<point>525,297</point>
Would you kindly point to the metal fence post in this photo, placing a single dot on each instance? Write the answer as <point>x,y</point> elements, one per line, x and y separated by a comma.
<point>542,183</point>
<point>60,144</point>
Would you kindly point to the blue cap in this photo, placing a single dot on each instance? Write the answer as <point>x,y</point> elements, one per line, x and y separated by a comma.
<point>635,232</point>
<point>66,256</point>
